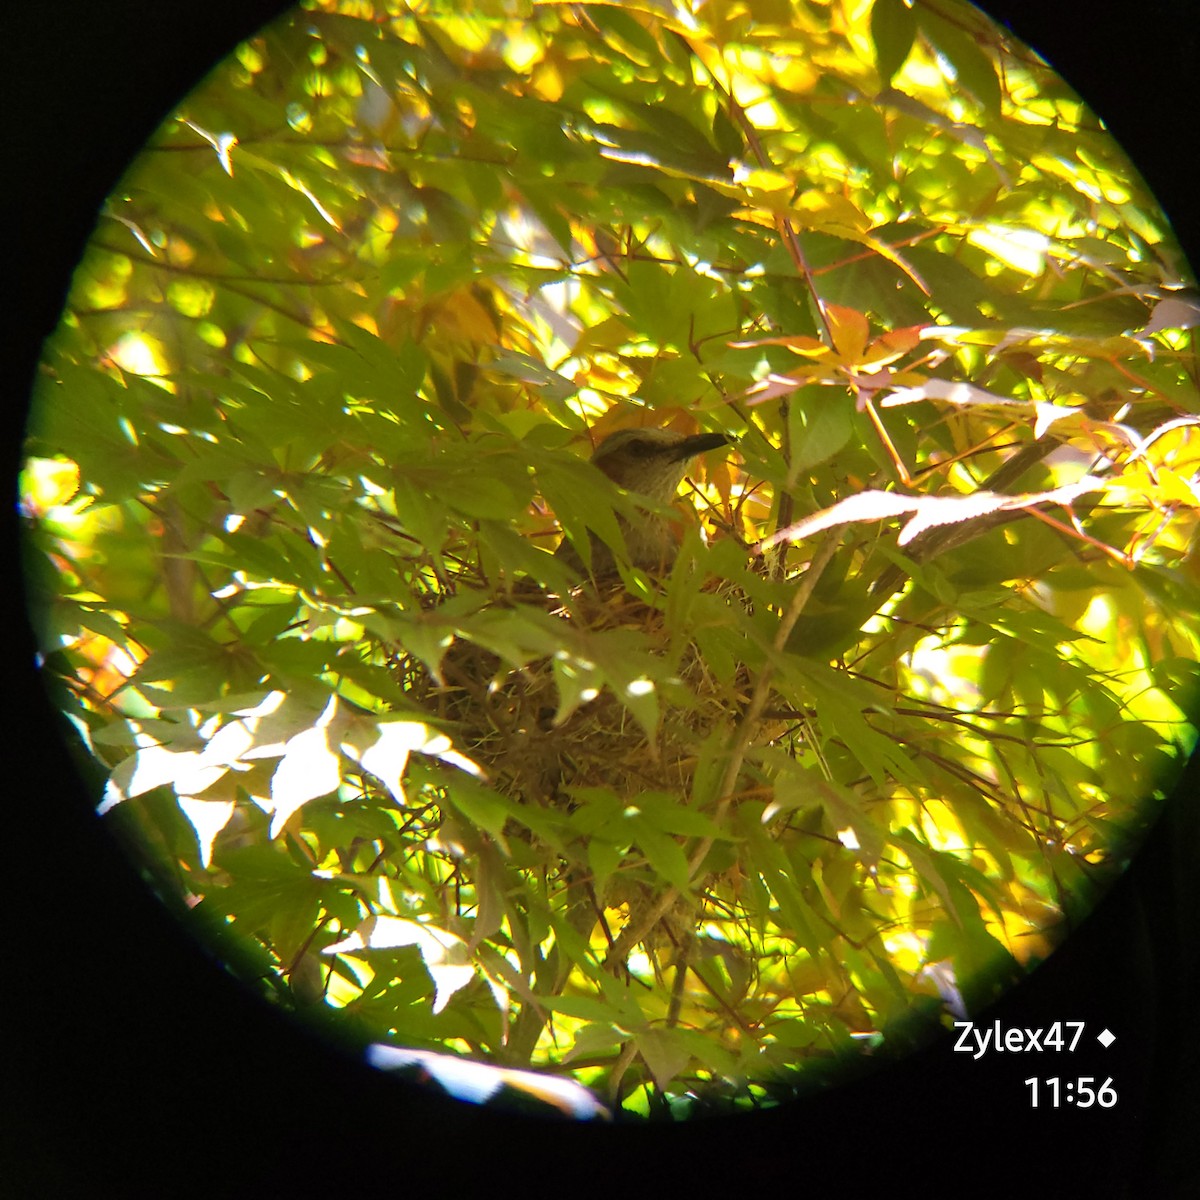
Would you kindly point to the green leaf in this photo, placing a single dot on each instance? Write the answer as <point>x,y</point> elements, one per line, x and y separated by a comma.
<point>583,1007</point>
<point>663,854</point>
<point>726,135</point>
<point>603,859</point>
<point>939,873</point>
<point>675,818</point>
<point>269,892</point>
<point>622,31</point>
<point>822,428</point>
<point>841,703</point>
<point>893,30</point>
<point>975,70</point>
<point>664,1052</point>
<point>581,499</point>
<point>480,804</point>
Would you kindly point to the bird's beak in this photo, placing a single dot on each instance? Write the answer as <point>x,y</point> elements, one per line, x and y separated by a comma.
<point>697,444</point>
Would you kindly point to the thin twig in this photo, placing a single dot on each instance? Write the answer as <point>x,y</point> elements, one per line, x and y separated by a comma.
<point>742,737</point>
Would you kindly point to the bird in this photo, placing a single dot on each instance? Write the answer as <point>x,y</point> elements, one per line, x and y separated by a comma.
<point>650,464</point>
<point>556,728</point>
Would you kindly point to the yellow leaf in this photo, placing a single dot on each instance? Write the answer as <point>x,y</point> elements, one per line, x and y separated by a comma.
<point>894,344</point>
<point>818,210</point>
<point>1174,488</point>
<point>850,330</point>
<point>462,315</point>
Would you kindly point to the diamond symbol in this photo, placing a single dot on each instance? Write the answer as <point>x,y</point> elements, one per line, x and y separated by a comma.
<point>1105,1038</point>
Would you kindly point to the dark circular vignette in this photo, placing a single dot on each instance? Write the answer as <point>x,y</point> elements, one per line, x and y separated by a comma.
<point>144,1069</point>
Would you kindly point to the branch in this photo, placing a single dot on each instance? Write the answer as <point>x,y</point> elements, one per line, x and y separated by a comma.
<point>742,737</point>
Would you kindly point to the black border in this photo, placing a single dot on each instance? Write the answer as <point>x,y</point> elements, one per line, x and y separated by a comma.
<point>135,1066</point>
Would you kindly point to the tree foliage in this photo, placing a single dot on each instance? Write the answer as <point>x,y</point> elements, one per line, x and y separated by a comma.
<point>320,404</point>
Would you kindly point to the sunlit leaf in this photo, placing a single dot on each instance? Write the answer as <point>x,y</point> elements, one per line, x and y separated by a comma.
<point>893,28</point>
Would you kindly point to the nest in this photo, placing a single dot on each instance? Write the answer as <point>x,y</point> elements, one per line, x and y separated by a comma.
<point>510,721</point>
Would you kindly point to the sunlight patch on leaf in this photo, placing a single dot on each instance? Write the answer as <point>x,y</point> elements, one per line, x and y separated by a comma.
<point>930,510</point>
<point>207,818</point>
<point>383,748</point>
<point>310,768</point>
<point>444,954</point>
<point>1024,250</point>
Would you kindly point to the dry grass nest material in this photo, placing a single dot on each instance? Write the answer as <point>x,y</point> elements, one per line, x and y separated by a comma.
<point>505,719</point>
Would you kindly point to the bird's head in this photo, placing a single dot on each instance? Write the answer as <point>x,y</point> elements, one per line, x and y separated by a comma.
<point>652,462</point>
